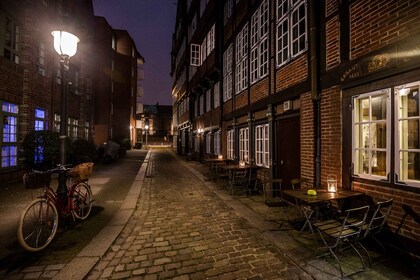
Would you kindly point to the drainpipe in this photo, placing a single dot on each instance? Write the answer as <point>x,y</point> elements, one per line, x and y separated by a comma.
<point>315,92</point>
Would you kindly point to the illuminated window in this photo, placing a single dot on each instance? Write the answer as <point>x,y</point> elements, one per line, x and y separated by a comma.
<point>262,152</point>
<point>9,128</point>
<point>371,132</point>
<point>408,136</point>
<point>244,144</point>
<point>40,119</point>
<point>230,144</point>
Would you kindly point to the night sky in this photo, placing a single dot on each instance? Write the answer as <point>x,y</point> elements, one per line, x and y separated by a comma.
<point>150,23</point>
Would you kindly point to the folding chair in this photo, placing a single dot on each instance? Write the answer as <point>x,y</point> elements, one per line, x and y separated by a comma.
<point>376,223</point>
<point>238,180</point>
<point>273,198</point>
<point>336,233</point>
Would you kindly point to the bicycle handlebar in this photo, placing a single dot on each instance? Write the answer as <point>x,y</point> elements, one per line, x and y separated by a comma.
<point>58,169</point>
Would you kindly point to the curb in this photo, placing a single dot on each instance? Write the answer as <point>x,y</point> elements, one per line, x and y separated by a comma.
<point>82,264</point>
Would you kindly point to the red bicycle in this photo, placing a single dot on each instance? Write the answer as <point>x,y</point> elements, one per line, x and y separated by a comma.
<point>39,221</point>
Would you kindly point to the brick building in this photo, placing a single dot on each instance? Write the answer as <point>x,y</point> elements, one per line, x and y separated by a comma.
<point>31,79</point>
<point>305,89</point>
<point>116,87</point>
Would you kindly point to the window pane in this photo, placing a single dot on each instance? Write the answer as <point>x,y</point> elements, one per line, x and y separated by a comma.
<point>378,135</point>
<point>379,107</point>
<point>410,166</point>
<point>362,136</point>
<point>362,109</point>
<point>409,134</point>
<point>361,164</point>
<point>378,162</point>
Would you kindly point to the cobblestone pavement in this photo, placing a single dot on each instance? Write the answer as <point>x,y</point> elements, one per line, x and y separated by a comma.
<point>183,230</point>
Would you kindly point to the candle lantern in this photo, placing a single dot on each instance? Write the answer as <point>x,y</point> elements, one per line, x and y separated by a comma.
<point>242,163</point>
<point>220,156</point>
<point>332,183</point>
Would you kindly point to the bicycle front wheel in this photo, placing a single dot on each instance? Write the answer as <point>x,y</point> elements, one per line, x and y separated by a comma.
<point>37,225</point>
<point>82,200</point>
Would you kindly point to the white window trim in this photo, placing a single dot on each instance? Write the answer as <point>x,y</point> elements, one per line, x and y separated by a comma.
<point>286,18</point>
<point>241,75</point>
<point>388,135</point>
<point>244,144</point>
<point>195,55</point>
<point>259,44</point>
<point>262,157</point>
<point>230,144</point>
<point>227,73</point>
<point>397,137</point>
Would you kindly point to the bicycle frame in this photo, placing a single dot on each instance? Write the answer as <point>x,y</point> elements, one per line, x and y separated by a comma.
<point>63,210</point>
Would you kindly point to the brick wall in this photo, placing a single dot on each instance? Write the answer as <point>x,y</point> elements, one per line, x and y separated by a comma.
<point>241,100</point>
<point>292,73</point>
<point>332,43</point>
<point>227,107</point>
<point>331,6</point>
<point>307,143</point>
<point>381,193</point>
<point>331,137</point>
<point>259,90</point>
<point>380,23</point>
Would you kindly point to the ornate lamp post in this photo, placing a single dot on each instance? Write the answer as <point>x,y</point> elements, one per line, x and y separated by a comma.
<point>65,44</point>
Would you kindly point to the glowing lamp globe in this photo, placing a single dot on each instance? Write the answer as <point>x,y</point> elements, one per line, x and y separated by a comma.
<point>65,43</point>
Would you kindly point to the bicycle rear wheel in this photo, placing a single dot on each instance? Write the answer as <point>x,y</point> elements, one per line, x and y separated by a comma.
<point>37,225</point>
<point>82,200</point>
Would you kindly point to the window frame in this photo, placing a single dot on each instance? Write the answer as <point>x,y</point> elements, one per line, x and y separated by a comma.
<point>399,178</point>
<point>371,149</point>
<point>241,66</point>
<point>230,144</point>
<point>9,133</point>
<point>286,34</point>
<point>259,43</point>
<point>40,120</point>
<point>262,147</point>
<point>227,73</point>
<point>244,144</point>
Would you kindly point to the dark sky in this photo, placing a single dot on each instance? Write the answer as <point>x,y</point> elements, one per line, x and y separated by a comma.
<point>150,24</point>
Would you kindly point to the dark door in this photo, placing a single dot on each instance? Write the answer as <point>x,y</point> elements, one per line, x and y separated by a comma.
<point>288,149</point>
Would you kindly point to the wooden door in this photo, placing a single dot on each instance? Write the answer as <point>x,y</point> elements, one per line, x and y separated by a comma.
<point>287,149</point>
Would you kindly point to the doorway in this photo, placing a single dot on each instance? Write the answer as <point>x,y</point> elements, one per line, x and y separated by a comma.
<point>288,149</point>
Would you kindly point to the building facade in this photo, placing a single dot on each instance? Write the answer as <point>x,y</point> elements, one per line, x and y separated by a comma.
<point>30,93</point>
<point>304,88</point>
<point>31,78</point>
<point>116,84</point>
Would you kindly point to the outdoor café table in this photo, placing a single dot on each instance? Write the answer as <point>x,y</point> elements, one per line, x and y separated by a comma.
<point>321,196</point>
<point>213,163</point>
<point>232,168</point>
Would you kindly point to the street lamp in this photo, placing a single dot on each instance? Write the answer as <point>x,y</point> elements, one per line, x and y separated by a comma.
<point>147,128</point>
<point>65,44</point>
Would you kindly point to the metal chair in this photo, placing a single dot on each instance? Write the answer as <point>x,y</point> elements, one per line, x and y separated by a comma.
<point>273,198</point>
<point>345,231</point>
<point>238,180</point>
<point>376,223</point>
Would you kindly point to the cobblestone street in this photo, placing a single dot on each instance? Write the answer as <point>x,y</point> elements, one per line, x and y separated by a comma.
<point>183,230</point>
